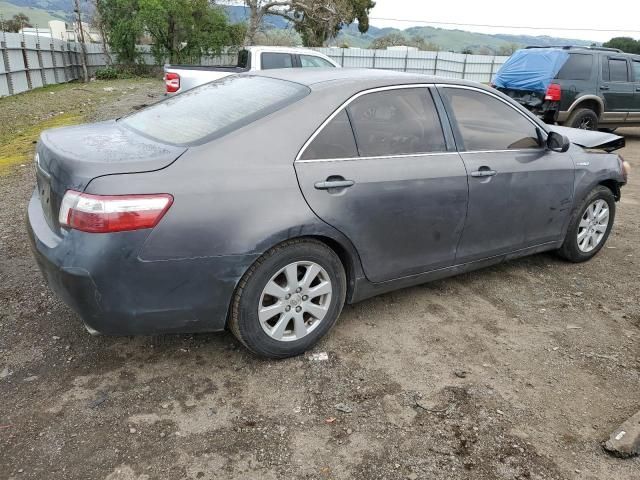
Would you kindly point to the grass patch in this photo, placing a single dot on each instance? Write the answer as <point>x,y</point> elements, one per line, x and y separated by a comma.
<point>19,147</point>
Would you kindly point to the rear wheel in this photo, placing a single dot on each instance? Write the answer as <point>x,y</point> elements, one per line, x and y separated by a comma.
<point>584,119</point>
<point>288,299</point>
<point>590,227</point>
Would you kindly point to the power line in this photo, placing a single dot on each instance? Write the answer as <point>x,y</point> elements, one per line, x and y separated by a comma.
<point>572,29</point>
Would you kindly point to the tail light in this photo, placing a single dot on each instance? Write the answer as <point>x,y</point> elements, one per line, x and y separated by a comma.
<point>554,93</point>
<point>112,213</point>
<point>172,82</point>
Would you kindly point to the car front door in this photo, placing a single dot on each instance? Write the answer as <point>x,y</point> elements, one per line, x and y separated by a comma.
<point>520,193</point>
<point>616,88</point>
<point>380,171</point>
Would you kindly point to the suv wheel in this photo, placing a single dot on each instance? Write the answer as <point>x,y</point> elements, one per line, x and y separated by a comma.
<point>288,299</point>
<point>583,118</point>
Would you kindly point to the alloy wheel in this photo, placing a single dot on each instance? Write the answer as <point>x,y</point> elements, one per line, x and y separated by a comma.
<point>295,301</point>
<point>593,226</point>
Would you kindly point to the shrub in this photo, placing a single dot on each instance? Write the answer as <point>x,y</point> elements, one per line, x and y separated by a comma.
<point>108,73</point>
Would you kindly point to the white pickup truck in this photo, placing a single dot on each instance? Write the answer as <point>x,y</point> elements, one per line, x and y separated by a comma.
<point>180,78</point>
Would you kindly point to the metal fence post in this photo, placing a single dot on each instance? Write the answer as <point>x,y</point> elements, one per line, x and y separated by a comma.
<point>435,64</point>
<point>493,66</point>
<point>25,60</point>
<point>53,61</point>
<point>5,59</point>
<point>64,62</point>
<point>40,62</point>
<point>342,58</point>
<point>406,60</point>
<point>374,59</point>
<point>464,65</point>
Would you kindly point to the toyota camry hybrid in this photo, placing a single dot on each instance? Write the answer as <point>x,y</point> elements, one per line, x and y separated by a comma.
<point>263,203</point>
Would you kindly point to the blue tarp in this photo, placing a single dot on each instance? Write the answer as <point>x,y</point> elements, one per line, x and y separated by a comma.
<point>531,69</point>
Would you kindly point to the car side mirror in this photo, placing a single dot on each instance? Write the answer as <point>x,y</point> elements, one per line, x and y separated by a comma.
<point>558,142</point>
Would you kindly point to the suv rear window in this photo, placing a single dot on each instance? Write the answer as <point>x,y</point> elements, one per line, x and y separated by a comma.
<point>577,67</point>
<point>214,109</point>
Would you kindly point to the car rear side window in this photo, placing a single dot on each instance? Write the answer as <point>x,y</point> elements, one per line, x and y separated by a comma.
<point>396,122</point>
<point>636,70</point>
<point>485,123</point>
<point>310,61</point>
<point>276,60</point>
<point>618,70</point>
<point>335,140</point>
<point>214,109</point>
<point>577,67</point>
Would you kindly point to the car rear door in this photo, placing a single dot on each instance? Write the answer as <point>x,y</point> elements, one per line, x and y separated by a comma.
<point>520,193</point>
<point>616,88</point>
<point>381,172</point>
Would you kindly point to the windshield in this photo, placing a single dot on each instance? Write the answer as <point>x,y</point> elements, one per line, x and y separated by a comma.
<point>214,109</point>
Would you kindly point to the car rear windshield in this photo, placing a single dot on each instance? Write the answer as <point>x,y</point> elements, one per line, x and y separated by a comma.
<point>214,109</point>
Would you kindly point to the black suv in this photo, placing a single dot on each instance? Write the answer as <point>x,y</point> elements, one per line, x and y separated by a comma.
<point>595,88</point>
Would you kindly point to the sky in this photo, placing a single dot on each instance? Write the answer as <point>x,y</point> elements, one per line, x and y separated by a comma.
<point>549,17</point>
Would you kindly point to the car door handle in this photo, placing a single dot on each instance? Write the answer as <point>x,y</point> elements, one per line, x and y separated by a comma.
<point>483,172</point>
<point>329,184</point>
<point>604,87</point>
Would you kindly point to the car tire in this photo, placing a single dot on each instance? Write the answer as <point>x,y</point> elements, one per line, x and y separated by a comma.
<point>583,118</point>
<point>300,319</point>
<point>586,236</point>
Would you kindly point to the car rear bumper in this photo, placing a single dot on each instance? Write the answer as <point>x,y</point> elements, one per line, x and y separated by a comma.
<point>115,293</point>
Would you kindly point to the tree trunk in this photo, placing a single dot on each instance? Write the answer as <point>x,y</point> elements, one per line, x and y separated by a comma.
<point>255,19</point>
<point>83,46</point>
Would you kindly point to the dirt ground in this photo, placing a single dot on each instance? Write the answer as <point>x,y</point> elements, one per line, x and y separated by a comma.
<point>514,372</point>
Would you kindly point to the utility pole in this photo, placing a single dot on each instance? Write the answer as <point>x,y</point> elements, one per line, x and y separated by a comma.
<point>83,47</point>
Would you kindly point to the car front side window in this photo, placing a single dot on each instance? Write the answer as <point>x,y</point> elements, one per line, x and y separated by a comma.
<point>486,123</point>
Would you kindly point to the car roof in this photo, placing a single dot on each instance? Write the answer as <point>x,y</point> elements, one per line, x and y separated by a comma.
<point>282,49</point>
<point>357,78</point>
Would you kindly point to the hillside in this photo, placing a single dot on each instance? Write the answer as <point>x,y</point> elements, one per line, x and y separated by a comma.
<point>38,16</point>
<point>41,11</point>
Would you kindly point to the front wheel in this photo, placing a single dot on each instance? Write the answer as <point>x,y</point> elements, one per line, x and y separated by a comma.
<point>590,227</point>
<point>288,299</point>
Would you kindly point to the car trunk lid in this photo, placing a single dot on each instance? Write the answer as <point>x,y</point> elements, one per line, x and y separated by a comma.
<point>69,158</point>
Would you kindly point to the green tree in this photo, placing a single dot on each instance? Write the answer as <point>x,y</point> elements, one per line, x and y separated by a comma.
<point>315,20</point>
<point>179,30</point>
<point>626,44</point>
<point>184,30</point>
<point>16,23</point>
<point>120,22</point>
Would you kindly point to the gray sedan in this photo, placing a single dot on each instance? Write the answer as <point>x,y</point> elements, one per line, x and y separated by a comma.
<point>262,203</point>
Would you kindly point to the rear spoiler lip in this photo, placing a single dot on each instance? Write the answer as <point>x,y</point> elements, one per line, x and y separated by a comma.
<point>591,139</point>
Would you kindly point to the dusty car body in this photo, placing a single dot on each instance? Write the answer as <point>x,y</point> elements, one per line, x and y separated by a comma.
<point>295,185</point>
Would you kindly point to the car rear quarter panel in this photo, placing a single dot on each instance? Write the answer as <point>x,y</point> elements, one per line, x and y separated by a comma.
<point>237,195</point>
